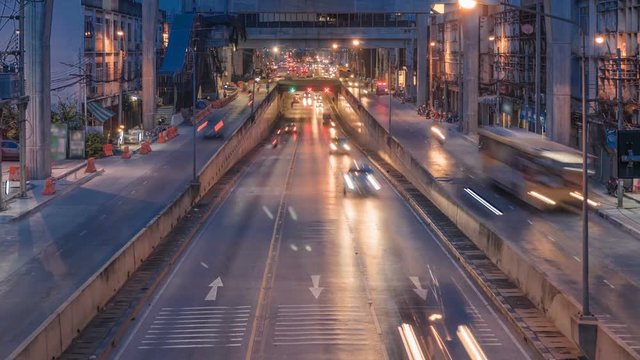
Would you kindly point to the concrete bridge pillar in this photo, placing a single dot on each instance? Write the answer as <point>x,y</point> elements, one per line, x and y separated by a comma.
<point>421,35</point>
<point>471,54</point>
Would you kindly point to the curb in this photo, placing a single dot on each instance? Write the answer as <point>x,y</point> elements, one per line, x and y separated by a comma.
<point>71,171</point>
<point>57,194</point>
<point>625,227</point>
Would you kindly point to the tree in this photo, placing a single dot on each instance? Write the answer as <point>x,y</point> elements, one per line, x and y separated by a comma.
<point>66,112</point>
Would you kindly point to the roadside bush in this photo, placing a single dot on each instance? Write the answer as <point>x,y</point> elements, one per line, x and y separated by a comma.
<point>94,144</point>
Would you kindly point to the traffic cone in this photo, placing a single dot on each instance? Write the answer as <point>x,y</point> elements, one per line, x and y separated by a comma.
<point>144,150</point>
<point>91,165</point>
<point>161,139</point>
<point>49,187</point>
<point>125,153</point>
<point>148,146</point>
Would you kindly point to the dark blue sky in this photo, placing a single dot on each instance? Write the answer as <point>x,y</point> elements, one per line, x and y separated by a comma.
<point>171,6</point>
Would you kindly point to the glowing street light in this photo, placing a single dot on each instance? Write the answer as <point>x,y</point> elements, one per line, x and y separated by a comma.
<point>599,39</point>
<point>275,49</point>
<point>433,43</point>
<point>491,37</point>
<point>120,33</point>
<point>467,4</point>
<point>334,46</point>
<point>356,42</point>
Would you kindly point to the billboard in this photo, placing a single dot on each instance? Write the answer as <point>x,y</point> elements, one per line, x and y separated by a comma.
<point>628,154</point>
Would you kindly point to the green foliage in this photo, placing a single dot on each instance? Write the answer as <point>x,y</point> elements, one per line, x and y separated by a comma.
<point>94,144</point>
<point>66,112</point>
<point>9,122</point>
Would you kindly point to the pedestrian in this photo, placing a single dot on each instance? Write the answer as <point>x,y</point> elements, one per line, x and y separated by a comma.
<point>224,94</point>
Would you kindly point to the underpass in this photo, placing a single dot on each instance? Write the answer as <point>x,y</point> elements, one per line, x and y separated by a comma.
<point>288,267</point>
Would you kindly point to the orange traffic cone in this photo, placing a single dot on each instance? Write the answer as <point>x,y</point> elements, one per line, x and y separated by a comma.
<point>91,165</point>
<point>161,139</point>
<point>125,153</point>
<point>144,148</point>
<point>49,187</point>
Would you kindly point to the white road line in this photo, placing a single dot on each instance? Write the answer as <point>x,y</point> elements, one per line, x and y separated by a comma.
<point>608,283</point>
<point>204,316</point>
<point>194,335</point>
<point>315,322</point>
<point>292,213</point>
<point>266,211</point>
<point>212,327</point>
<point>205,307</point>
<point>577,259</point>
<point>204,265</point>
<point>465,277</point>
<point>337,342</point>
<point>530,222</point>
<point>83,232</point>
<point>228,312</point>
<point>482,201</point>
<point>551,238</point>
<point>319,306</point>
<point>323,332</point>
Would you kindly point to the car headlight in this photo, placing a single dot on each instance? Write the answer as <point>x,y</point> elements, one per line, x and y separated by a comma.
<point>372,180</point>
<point>349,182</point>
<point>333,147</point>
<point>346,147</point>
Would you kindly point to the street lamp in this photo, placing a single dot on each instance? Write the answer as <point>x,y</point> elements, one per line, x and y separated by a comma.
<point>586,312</point>
<point>275,49</point>
<point>600,39</point>
<point>334,46</point>
<point>123,54</point>
<point>467,4</point>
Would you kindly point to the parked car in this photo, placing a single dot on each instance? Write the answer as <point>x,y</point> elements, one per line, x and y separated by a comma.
<point>10,150</point>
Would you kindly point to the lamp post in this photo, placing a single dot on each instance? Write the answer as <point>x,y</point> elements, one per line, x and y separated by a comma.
<point>620,115</point>
<point>194,96</point>
<point>587,318</point>
<point>389,86</point>
<point>120,34</point>
<point>431,45</point>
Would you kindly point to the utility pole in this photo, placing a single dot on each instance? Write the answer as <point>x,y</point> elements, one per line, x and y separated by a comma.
<point>22,108</point>
<point>389,87</point>
<point>194,96</point>
<point>620,119</point>
<point>537,69</point>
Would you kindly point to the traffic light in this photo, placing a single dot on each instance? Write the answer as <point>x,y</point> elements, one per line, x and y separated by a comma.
<point>309,89</point>
<point>292,90</point>
<point>326,90</point>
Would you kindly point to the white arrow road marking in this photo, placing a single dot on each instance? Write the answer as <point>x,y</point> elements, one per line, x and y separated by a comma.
<point>418,290</point>
<point>316,290</point>
<point>213,293</point>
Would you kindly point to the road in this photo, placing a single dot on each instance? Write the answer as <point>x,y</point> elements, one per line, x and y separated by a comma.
<point>288,267</point>
<point>553,240</point>
<point>46,256</point>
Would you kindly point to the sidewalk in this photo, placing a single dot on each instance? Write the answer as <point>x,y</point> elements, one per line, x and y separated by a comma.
<point>47,255</point>
<point>553,239</point>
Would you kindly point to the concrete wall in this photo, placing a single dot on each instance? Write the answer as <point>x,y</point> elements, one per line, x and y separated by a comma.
<point>561,308</point>
<point>55,334</point>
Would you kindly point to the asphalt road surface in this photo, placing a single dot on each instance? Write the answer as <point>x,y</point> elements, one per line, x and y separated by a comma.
<point>290,268</point>
<point>46,256</point>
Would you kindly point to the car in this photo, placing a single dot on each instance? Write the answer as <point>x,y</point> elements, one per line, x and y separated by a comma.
<point>319,105</point>
<point>327,121</point>
<point>307,95</point>
<point>291,128</point>
<point>339,145</point>
<point>360,180</point>
<point>10,150</point>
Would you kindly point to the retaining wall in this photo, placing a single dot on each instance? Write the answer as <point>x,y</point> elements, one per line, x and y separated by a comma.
<point>57,332</point>
<point>560,307</point>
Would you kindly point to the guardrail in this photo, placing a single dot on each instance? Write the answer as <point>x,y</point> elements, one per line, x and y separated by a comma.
<point>561,308</point>
<point>51,338</point>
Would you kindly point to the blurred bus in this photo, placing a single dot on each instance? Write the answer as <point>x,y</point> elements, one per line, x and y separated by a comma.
<point>541,172</point>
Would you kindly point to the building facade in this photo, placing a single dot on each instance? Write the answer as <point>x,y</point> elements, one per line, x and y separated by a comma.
<point>508,79</point>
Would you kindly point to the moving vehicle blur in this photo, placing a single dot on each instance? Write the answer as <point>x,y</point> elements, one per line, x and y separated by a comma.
<point>291,128</point>
<point>339,145</point>
<point>327,120</point>
<point>360,180</point>
<point>543,173</point>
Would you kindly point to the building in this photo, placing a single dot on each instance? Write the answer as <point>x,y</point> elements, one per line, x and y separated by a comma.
<point>506,60</point>
<point>108,65</point>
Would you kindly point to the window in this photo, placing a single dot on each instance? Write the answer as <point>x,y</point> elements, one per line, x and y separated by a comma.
<point>99,71</point>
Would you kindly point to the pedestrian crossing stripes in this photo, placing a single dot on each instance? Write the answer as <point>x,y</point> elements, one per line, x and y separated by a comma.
<point>482,332</point>
<point>321,325</point>
<point>197,327</point>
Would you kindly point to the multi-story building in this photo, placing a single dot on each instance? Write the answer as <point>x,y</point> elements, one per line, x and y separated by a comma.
<point>507,68</point>
<point>108,65</point>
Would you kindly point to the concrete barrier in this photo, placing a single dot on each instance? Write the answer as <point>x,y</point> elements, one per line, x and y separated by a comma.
<point>57,332</point>
<point>563,309</point>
